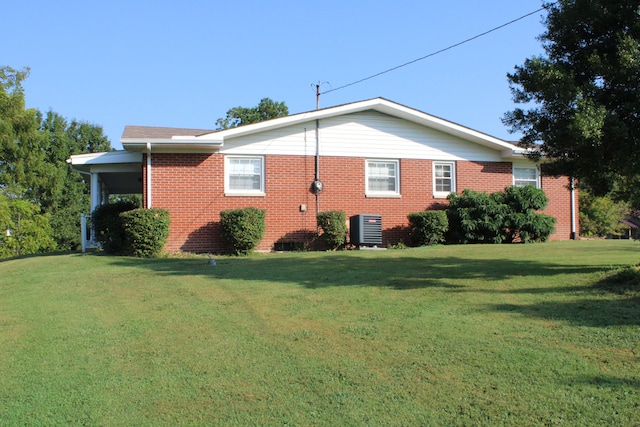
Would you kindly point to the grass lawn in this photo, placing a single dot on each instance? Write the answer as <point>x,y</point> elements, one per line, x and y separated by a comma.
<point>450,335</point>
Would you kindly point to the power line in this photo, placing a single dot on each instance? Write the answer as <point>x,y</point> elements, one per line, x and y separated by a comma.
<point>439,51</point>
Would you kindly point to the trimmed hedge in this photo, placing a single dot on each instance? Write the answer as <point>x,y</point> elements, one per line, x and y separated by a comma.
<point>334,227</point>
<point>427,227</point>
<point>108,227</point>
<point>243,229</point>
<point>146,231</point>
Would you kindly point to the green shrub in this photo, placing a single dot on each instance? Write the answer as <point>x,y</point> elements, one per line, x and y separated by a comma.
<point>507,216</point>
<point>427,227</point>
<point>523,223</point>
<point>601,216</point>
<point>475,217</point>
<point>536,228</point>
<point>108,227</point>
<point>243,229</point>
<point>334,227</point>
<point>146,231</point>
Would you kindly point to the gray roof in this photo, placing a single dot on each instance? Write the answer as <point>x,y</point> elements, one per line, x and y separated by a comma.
<point>153,132</point>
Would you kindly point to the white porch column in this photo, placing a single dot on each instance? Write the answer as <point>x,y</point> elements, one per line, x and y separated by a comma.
<point>96,191</point>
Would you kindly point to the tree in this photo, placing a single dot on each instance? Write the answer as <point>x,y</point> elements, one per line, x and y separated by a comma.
<point>601,216</point>
<point>33,153</point>
<point>27,230</point>
<point>266,110</point>
<point>19,138</point>
<point>583,96</point>
<point>65,195</point>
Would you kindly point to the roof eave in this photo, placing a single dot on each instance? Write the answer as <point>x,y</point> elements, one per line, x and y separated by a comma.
<point>380,105</point>
<point>175,144</point>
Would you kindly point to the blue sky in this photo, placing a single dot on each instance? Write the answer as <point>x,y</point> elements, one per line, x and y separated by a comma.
<point>184,64</point>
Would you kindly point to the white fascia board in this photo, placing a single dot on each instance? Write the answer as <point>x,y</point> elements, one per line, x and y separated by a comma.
<point>380,105</point>
<point>110,161</point>
<point>280,122</point>
<point>109,157</point>
<point>174,144</point>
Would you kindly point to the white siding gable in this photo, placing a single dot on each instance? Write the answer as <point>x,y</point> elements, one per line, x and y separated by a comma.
<point>364,134</point>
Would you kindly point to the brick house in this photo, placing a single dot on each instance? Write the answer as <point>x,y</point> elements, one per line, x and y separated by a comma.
<point>369,157</point>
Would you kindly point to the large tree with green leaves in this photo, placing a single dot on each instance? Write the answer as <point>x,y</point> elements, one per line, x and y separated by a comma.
<point>33,152</point>
<point>266,110</point>
<point>582,97</point>
<point>65,195</point>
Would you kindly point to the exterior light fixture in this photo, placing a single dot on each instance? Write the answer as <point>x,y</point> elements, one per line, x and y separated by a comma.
<point>8,232</point>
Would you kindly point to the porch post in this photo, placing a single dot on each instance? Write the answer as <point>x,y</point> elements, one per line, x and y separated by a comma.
<point>96,191</point>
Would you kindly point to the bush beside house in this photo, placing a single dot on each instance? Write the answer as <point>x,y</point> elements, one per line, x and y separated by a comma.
<point>108,226</point>
<point>123,229</point>
<point>334,227</point>
<point>146,231</point>
<point>427,227</point>
<point>508,216</point>
<point>243,229</point>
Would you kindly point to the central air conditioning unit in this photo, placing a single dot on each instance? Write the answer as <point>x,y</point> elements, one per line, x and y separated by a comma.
<point>366,230</point>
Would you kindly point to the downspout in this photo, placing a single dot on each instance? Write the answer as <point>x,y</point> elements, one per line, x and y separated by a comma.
<point>572,188</point>
<point>317,184</point>
<point>149,175</point>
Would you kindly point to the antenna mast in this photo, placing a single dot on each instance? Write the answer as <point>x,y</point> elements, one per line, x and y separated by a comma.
<point>317,86</point>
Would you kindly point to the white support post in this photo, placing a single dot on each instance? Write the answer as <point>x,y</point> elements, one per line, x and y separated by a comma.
<point>83,233</point>
<point>96,191</point>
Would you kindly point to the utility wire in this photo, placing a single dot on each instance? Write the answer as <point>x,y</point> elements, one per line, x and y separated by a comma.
<point>439,51</point>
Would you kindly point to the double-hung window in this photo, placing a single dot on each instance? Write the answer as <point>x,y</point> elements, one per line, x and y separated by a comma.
<point>526,176</point>
<point>383,178</point>
<point>444,178</point>
<point>244,175</point>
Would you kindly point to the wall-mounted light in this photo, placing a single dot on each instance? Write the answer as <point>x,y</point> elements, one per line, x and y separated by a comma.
<point>8,232</point>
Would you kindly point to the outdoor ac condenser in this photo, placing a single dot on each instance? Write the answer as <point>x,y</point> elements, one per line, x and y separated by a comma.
<point>366,230</point>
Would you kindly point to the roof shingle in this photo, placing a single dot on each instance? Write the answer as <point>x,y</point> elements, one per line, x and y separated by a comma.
<point>152,132</point>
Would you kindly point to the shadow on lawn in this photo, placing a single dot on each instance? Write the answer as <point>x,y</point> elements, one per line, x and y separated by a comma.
<point>607,381</point>
<point>596,312</point>
<point>336,269</point>
<point>614,300</point>
<point>401,272</point>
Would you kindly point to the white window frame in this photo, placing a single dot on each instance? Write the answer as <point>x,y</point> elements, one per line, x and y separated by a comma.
<point>444,194</point>
<point>378,193</point>
<point>535,182</point>
<point>243,192</point>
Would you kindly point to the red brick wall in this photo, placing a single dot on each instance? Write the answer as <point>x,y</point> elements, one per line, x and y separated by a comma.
<point>191,187</point>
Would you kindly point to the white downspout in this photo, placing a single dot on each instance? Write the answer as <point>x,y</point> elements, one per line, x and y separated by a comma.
<point>572,187</point>
<point>149,199</point>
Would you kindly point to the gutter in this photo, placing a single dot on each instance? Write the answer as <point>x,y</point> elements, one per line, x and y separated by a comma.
<point>173,145</point>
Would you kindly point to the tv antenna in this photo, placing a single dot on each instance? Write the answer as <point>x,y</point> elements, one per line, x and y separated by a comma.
<point>317,86</point>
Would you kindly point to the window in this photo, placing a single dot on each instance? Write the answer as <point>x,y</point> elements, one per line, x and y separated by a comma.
<point>525,176</point>
<point>444,181</point>
<point>383,178</point>
<point>244,175</point>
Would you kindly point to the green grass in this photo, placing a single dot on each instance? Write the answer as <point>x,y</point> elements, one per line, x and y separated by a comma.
<point>544,334</point>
